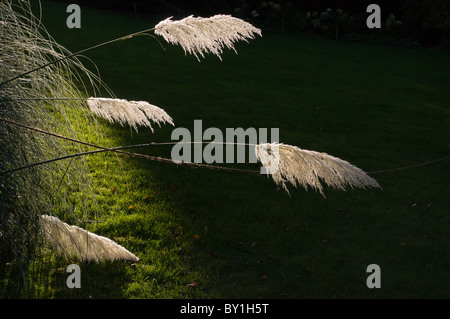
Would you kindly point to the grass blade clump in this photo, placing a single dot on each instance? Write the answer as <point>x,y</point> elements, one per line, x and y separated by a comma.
<point>24,195</point>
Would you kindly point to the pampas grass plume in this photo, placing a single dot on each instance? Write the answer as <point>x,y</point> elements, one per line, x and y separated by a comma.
<point>135,113</point>
<point>73,241</point>
<point>197,35</point>
<point>291,164</point>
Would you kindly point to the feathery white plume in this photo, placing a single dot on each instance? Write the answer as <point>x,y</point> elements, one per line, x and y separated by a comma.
<point>287,163</point>
<point>135,113</point>
<point>73,241</point>
<point>197,35</point>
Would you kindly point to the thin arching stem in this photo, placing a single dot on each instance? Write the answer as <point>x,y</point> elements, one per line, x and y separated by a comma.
<point>69,156</point>
<point>118,150</point>
<point>44,99</point>
<point>143,32</point>
<point>162,159</point>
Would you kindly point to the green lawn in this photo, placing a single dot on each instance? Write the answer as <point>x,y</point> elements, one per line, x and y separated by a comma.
<point>376,107</point>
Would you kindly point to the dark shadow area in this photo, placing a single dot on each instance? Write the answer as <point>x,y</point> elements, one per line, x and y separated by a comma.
<point>404,22</point>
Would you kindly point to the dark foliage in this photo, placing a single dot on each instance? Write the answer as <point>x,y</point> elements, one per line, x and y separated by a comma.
<point>422,21</point>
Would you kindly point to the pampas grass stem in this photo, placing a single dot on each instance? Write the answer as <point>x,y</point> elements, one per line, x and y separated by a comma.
<point>195,35</point>
<point>286,163</point>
